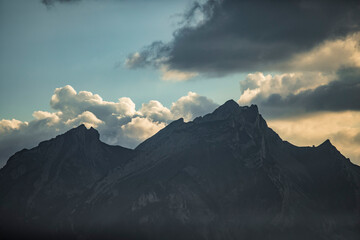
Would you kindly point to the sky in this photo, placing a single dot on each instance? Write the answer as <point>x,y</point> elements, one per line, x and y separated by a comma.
<point>130,67</point>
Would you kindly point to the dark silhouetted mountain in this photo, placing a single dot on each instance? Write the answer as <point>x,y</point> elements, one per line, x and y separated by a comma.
<point>225,175</point>
<point>41,186</point>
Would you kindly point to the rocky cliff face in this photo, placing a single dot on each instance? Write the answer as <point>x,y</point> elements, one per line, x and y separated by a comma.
<point>225,175</point>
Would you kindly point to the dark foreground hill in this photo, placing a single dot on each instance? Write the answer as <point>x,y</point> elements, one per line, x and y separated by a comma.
<point>222,176</point>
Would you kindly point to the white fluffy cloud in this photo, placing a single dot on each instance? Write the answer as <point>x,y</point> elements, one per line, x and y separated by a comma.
<point>87,118</point>
<point>10,125</point>
<point>258,85</point>
<point>191,106</point>
<point>50,118</point>
<point>141,128</point>
<point>71,103</point>
<point>118,122</point>
<point>155,111</point>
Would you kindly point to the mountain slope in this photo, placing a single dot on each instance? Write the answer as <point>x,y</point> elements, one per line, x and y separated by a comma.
<point>222,176</point>
<point>39,187</point>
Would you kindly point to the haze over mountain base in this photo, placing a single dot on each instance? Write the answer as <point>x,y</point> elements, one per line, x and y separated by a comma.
<point>222,176</point>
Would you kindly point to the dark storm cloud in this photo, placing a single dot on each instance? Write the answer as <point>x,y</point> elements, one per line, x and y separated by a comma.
<point>150,55</point>
<point>340,95</point>
<point>241,35</point>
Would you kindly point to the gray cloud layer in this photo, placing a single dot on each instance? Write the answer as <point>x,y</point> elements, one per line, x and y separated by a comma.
<point>244,35</point>
<point>339,95</point>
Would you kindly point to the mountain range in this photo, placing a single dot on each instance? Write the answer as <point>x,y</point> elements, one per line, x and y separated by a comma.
<point>225,175</point>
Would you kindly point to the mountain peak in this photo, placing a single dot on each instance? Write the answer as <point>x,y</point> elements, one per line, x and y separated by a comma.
<point>83,132</point>
<point>228,106</point>
<point>326,143</point>
<point>231,109</point>
<point>81,127</point>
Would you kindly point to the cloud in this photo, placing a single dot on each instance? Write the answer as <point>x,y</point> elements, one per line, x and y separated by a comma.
<point>258,85</point>
<point>118,122</point>
<point>50,118</point>
<point>336,96</point>
<point>155,111</point>
<point>87,118</point>
<point>136,60</point>
<point>226,36</point>
<point>49,3</point>
<point>342,128</point>
<point>288,95</point>
<point>10,125</point>
<point>192,105</point>
<point>331,55</point>
<point>141,128</point>
<point>176,75</point>
<point>155,55</point>
<point>71,103</point>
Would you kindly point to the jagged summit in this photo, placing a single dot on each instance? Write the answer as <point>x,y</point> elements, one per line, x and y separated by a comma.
<point>82,128</point>
<point>228,106</point>
<point>230,110</point>
<point>326,143</point>
<point>82,133</point>
<point>231,106</point>
<point>226,120</point>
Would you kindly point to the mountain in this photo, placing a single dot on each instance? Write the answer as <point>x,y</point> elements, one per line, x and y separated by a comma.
<point>39,187</point>
<point>225,175</point>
